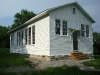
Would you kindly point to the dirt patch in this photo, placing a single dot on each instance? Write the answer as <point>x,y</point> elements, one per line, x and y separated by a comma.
<point>37,65</point>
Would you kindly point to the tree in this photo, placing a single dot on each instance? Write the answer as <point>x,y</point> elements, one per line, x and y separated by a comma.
<point>22,17</point>
<point>4,36</point>
<point>96,42</point>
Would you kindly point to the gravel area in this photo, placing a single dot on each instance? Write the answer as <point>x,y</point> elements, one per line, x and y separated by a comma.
<point>37,65</point>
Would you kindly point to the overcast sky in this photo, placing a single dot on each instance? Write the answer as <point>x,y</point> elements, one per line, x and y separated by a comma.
<point>8,8</point>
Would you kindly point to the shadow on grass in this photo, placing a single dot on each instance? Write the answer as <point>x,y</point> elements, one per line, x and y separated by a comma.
<point>10,60</point>
<point>64,70</point>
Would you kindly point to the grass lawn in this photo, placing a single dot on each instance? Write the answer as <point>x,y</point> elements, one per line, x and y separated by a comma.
<point>94,63</point>
<point>10,60</point>
<point>64,70</point>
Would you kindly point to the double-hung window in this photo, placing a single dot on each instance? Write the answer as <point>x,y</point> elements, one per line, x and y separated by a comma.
<point>26,36</point>
<point>57,26</point>
<point>33,34</point>
<point>64,28</point>
<point>29,35</point>
<point>87,31</point>
<point>82,30</point>
<point>22,37</point>
<point>17,38</point>
<point>11,40</point>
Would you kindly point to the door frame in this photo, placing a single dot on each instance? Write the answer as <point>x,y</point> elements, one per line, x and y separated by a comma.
<point>77,42</point>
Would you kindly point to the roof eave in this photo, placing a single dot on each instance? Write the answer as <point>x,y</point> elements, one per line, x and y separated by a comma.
<point>27,22</point>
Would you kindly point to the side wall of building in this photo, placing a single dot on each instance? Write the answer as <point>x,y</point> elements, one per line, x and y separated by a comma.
<point>41,46</point>
<point>63,45</point>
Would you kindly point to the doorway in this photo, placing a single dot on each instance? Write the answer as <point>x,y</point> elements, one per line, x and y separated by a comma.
<point>75,41</point>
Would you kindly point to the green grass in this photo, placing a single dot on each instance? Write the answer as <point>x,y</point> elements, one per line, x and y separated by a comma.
<point>94,63</point>
<point>64,70</point>
<point>10,60</point>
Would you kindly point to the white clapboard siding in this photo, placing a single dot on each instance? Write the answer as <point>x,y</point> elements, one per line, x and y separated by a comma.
<point>62,45</point>
<point>42,45</point>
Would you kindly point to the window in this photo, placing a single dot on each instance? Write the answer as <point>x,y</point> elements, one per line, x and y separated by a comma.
<point>64,27</point>
<point>17,38</point>
<point>74,11</point>
<point>26,36</point>
<point>22,37</point>
<point>29,36</point>
<point>33,34</point>
<point>57,26</point>
<point>12,40</point>
<point>82,27</point>
<point>87,31</point>
<point>82,30</point>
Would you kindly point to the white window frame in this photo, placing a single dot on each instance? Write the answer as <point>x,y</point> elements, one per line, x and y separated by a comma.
<point>17,38</point>
<point>59,27</point>
<point>83,30</point>
<point>62,28</point>
<point>88,31</point>
<point>33,35</point>
<point>26,36</point>
<point>22,36</point>
<point>29,35</point>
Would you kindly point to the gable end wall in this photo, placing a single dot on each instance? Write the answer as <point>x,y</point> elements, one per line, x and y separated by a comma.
<point>62,45</point>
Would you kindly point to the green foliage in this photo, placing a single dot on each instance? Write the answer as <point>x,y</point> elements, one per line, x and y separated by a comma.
<point>10,60</point>
<point>4,36</point>
<point>22,17</point>
<point>96,42</point>
<point>3,73</point>
<point>93,63</point>
<point>96,56</point>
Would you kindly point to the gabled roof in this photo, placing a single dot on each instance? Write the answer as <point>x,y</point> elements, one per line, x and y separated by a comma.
<point>45,12</point>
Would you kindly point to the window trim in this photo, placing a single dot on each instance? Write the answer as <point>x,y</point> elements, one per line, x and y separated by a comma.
<point>34,35</point>
<point>83,30</point>
<point>26,36</point>
<point>55,27</point>
<point>62,28</point>
<point>85,34</point>
<point>88,32</point>
<point>29,35</point>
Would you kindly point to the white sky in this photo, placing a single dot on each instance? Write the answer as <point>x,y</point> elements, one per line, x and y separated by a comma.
<point>8,8</point>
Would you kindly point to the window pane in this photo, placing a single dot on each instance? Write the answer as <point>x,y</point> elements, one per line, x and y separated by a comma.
<point>87,31</point>
<point>57,27</point>
<point>64,27</point>
<point>82,27</point>
<point>22,37</point>
<point>33,34</point>
<point>26,36</point>
<point>19,38</point>
<point>29,36</point>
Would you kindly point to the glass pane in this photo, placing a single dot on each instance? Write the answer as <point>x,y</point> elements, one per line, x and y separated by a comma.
<point>57,27</point>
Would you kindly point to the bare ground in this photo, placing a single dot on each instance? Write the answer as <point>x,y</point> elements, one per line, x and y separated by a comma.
<point>37,65</point>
